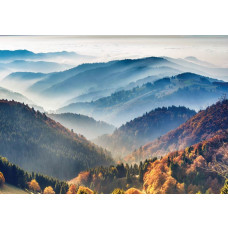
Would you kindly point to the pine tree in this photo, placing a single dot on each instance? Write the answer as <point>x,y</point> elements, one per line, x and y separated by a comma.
<point>141,172</point>
<point>128,176</point>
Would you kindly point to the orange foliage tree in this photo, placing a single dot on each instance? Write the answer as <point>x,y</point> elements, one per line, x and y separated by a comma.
<point>133,191</point>
<point>34,186</point>
<point>84,190</point>
<point>2,179</point>
<point>49,190</point>
<point>72,189</point>
<point>81,179</point>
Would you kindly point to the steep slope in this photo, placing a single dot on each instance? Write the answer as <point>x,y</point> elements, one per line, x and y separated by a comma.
<point>83,125</point>
<point>202,126</point>
<point>143,129</point>
<point>37,143</point>
<point>201,168</point>
<point>125,105</point>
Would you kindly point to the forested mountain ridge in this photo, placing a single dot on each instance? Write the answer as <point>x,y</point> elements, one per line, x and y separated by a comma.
<point>37,143</point>
<point>202,126</point>
<point>200,168</point>
<point>124,105</point>
<point>83,125</point>
<point>143,129</point>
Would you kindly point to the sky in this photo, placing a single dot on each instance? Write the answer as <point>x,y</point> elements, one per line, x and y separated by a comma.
<point>213,49</point>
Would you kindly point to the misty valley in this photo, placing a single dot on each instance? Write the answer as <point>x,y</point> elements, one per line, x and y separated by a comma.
<point>81,123</point>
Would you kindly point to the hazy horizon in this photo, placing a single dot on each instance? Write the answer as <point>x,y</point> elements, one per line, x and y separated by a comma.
<point>212,49</point>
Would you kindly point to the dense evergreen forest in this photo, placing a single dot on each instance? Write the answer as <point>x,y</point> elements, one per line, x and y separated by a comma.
<point>36,143</point>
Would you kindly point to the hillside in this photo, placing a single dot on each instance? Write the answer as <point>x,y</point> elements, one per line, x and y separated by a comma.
<point>201,168</point>
<point>84,125</point>
<point>37,143</point>
<point>202,126</point>
<point>143,129</point>
<point>124,105</point>
<point>10,189</point>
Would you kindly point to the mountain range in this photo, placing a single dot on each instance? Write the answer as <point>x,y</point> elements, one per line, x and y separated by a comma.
<point>143,129</point>
<point>164,118</point>
<point>125,105</point>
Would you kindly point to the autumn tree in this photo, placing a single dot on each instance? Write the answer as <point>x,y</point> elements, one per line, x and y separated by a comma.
<point>34,186</point>
<point>2,179</point>
<point>49,190</point>
<point>118,191</point>
<point>72,189</point>
<point>224,189</point>
<point>84,190</point>
<point>133,191</point>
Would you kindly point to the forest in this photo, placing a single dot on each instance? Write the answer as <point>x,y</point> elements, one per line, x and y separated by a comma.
<point>131,126</point>
<point>28,136</point>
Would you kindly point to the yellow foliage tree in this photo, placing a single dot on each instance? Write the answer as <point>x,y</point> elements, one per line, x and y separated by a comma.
<point>49,190</point>
<point>2,179</point>
<point>84,190</point>
<point>34,186</point>
<point>118,191</point>
<point>224,189</point>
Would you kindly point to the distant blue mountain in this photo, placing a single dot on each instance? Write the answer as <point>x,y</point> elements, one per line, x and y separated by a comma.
<point>33,66</point>
<point>58,77</point>
<point>24,76</point>
<point>6,55</point>
<point>183,89</point>
<point>108,75</point>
